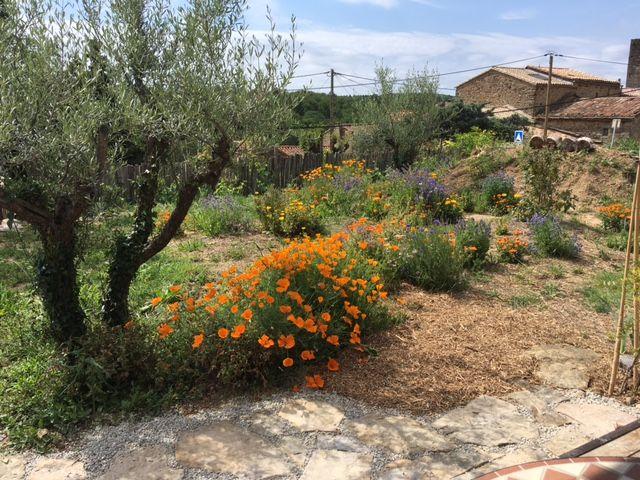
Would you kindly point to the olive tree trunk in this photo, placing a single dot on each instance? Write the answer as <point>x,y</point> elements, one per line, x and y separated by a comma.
<point>134,250</point>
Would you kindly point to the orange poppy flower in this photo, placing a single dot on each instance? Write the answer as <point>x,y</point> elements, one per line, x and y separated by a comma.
<point>197,341</point>
<point>307,355</point>
<point>320,299</point>
<point>326,317</point>
<point>285,309</point>
<point>287,342</point>
<point>223,333</point>
<point>296,297</point>
<point>238,331</point>
<point>175,288</point>
<point>222,299</point>
<point>287,362</point>
<point>297,321</point>
<point>315,382</point>
<point>333,340</point>
<point>333,365</point>
<point>266,341</point>
<point>247,315</point>
<point>190,305</point>
<point>165,330</point>
<point>363,245</point>
<point>282,285</point>
<point>234,309</point>
<point>156,301</point>
<point>310,326</point>
<point>174,307</point>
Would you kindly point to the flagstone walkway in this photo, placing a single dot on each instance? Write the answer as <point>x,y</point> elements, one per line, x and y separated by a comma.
<point>321,436</point>
<point>324,436</point>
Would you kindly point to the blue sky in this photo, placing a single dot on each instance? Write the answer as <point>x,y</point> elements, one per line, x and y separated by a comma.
<point>352,36</point>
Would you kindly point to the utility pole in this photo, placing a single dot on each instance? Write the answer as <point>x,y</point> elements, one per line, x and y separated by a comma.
<point>332,99</point>
<point>546,105</point>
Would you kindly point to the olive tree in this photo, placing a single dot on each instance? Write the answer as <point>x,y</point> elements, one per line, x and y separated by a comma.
<point>82,82</point>
<point>400,117</point>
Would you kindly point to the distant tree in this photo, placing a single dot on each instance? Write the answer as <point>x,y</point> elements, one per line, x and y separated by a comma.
<point>400,118</point>
<point>179,85</point>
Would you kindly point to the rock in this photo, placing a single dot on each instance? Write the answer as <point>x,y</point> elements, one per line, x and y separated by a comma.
<point>338,442</point>
<point>399,434</point>
<point>437,465</point>
<point>336,465</point>
<point>295,449</point>
<point>487,421</point>
<point>311,415</point>
<point>595,420</point>
<point>564,366</point>
<point>624,446</point>
<point>149,463</point>
<point>12,467</point>
<point>57,469</point>
<point>267,423</point>
<point>520,456</point>
<point>540,405</point>
<point>565,441</point>
<point>226,448</point>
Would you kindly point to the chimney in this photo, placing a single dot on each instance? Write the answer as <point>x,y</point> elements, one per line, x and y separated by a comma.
<point>633,69</point>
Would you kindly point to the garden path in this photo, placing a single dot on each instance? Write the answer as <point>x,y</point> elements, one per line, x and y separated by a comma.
<point>317,435</point>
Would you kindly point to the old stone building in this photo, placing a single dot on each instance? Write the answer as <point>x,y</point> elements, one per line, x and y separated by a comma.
<point>580,103</point>
<point>524,90</point>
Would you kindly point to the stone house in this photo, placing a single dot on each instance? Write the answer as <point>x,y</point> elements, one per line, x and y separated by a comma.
<point>524,90</point>
<point>592,117</point>
<point>580,103</point>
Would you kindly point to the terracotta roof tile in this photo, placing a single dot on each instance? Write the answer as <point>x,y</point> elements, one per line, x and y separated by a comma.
<point>530,76</point>
<point>603,107</point>
<point>290,150</point>
<point>570,74</point>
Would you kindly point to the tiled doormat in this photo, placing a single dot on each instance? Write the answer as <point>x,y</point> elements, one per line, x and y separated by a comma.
<point>584,468</point>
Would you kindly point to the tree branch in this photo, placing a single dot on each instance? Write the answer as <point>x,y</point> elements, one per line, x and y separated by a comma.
<point>31,213</point>
<point>220,158</point>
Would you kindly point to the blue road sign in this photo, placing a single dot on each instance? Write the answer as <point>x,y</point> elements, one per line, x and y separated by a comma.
<point>518,136</point>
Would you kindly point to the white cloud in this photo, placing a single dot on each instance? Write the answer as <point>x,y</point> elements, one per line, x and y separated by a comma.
<point>357,51</point>
<point>518,15</point>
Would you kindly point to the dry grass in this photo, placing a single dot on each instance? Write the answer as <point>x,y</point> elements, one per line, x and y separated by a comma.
<point>453,348</point>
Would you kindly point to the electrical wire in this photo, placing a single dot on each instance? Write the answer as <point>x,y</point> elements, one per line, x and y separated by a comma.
<point>591,59</point>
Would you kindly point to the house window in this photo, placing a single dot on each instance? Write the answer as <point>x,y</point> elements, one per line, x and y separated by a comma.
<point>605,131</point>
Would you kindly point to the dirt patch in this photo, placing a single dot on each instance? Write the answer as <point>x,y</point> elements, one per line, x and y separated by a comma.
<point>591,177</point>
<point>455,347</point>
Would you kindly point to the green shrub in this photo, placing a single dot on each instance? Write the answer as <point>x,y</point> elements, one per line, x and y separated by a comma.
<point>463,145</point>
<point>430,260</point>
<point>617,241</point>
<point>473,239</point>
<point>282,214</point>
<point>498,193</point>
<point>542,178</point>
<point>467,200</point>
<point>226,215</point>
<point>550,239</point>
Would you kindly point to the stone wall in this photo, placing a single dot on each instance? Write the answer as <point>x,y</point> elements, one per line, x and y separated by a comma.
<point>599,129</point>
<point>497,89</point>
<point>633,69</point>
<point>558,95</point>
<point>586,89</point>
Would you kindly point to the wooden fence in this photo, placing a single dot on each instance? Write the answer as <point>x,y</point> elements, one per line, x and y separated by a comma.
<point>278,170</point>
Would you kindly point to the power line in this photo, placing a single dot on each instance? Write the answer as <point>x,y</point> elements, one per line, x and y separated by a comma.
<point>312,74</point>
<point>592,59</point>
<point>435,75</point>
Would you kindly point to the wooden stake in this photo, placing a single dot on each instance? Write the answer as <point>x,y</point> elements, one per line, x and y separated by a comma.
<point>623,296</point>
<point>636,300</point>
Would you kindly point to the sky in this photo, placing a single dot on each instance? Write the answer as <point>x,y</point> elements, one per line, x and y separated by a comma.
<point>353,36</point>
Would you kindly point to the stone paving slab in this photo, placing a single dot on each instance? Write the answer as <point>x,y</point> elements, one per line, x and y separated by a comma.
<point>324,436</point>
<point>487,421</point>
<point>337,465</point>
<point>596,420</point>
<point>309,415</point>
<point>149,463</point>
<point>227,448</point>
<point>398,434</point>
<point>563,366</point>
